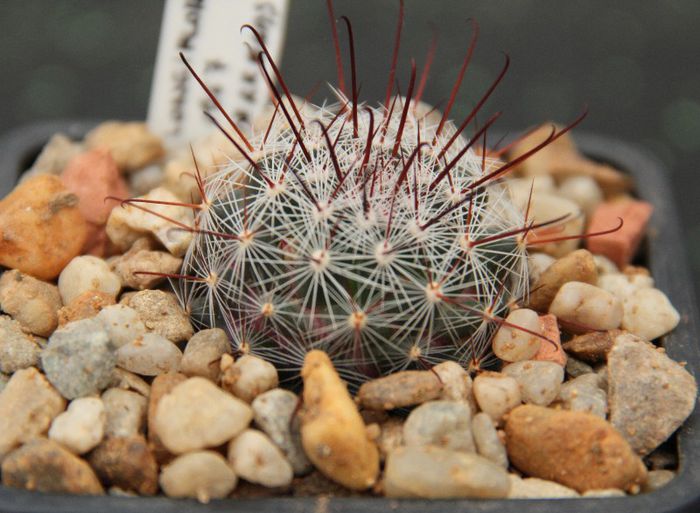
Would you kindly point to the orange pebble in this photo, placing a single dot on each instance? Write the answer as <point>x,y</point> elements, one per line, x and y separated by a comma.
<point>92,176</point>
<point>548,352</point>
<point>621,245</point>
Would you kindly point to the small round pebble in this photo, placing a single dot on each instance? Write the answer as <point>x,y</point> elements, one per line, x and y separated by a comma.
<point>129,381</point>
<point>399,389</point>
<point>275,412</point>
<point>488,443</point>
<point>122,323</point>
<point>517,340</point>
<point>256,459</point>
<point>649,314</point>
<point>149,355</point>
<point>203,353</point>
<point>201,475</point>
<point>586,307</point>
<point>445,424</point>
<point>81,427</point>
<point>197,414</point>
<point>496,394</point>
<point>125,412</point>
<point>79,359</point>
<point>85,273</point>
<point>539,381</point>
<point>248,377</point>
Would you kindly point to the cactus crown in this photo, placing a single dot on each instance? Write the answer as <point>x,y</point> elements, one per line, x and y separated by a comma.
<point>357,243</point>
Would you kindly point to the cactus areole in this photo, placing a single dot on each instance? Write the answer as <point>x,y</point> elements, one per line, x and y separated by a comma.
<point>379,234</point>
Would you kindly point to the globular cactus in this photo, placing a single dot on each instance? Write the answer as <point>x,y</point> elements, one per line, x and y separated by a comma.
<point>377,234</point>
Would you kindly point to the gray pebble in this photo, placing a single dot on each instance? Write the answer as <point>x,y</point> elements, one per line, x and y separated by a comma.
<point>576,368</point>
<point>434,473</point>
<point>444,424</point>
<point>584,394</point>
<point>79,359</point>
<point>273,411</point>
<point>488,444</point>
<point>17,350</point>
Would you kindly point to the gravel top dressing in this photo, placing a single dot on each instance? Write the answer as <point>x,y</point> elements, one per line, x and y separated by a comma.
<point>354,300</point>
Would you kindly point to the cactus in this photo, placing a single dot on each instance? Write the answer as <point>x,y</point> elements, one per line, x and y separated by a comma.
<point>375,233</point>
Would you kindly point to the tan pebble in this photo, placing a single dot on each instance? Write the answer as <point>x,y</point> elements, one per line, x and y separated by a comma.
<point>592,347</point>
<point>203,354</point>
<point>196,414</point>
<point>649,314</point>
<point>576,449</point>
<point>40,213</point>
<point>161,385</point>
<point>256,459</point>
<point>45,466</point>
<point>333,433</point>
<point>81,427</point>
<point>405,388</point>
<point>31,302</point>
<point>534,488</point>
<point>551,349</point>
<point>248,377</point>
<point>28,405</point>
<point>126,462</point>
<point>201,475</point>
<point>84,273</point>
<point>131,144</point>
<point>161,313</point>
<point>130,264</point>
<point>576,266</point>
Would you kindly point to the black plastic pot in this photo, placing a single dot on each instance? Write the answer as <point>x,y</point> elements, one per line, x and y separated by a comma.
<point>665,256</point>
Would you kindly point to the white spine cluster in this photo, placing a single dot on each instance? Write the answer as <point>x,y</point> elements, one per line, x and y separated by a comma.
<point>356,247</point>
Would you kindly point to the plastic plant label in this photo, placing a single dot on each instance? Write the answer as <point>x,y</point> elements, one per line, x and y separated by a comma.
<point>208,33</point>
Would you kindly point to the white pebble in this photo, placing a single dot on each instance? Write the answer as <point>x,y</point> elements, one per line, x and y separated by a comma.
<point>81,427</point>
<point>122,323</point>
<point>197,414</point>
<point>201,475</point>
<point>496,394</point>
<point>649,314</point>
<point>605,265</point>
<point>539,381</point>
<point>85,273</point>
<point>456,381</point>
<point>586,307</point>
<point>248,377</point>
<point>535,488</point>
<point>623,285</point>
<point>256,459</point>
<point>125,411</point>
<point>149,355</point>
<point>445,424</point>
<point>512,344</point>
<point>537,263</point>
<point>584,190</point>
<point>488,444</point>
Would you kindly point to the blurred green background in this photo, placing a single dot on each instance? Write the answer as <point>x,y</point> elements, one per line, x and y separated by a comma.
<point>635,64</point>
